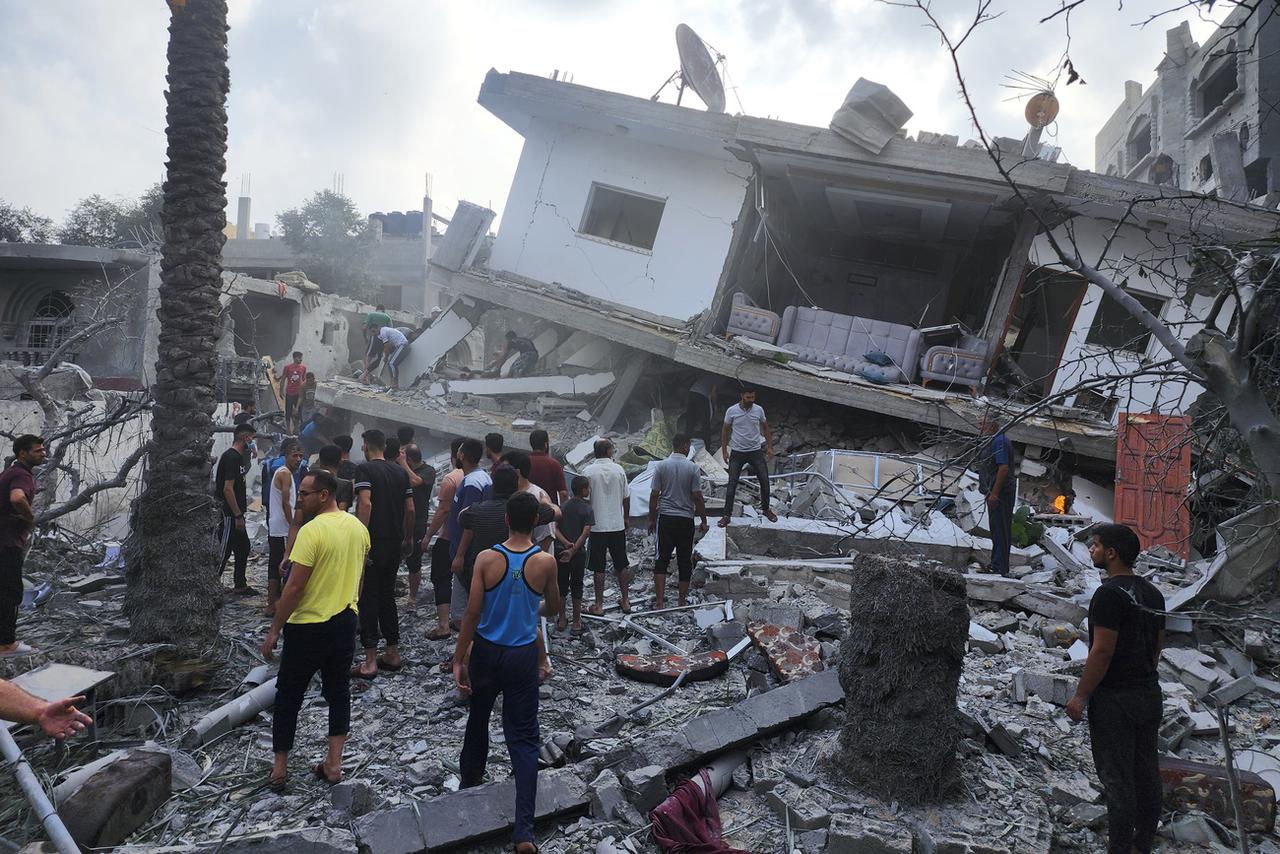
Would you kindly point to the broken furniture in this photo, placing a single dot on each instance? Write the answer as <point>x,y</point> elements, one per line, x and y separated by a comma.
<point>751,321</point>
<point>962,363</point>
<point>845,342</point>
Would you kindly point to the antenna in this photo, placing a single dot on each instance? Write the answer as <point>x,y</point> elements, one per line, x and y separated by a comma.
<point>697,71</point>
<point>1041,110</point>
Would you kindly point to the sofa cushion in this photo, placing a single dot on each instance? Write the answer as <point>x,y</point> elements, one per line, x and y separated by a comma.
<point>878,358</point>
<point>880,375</point>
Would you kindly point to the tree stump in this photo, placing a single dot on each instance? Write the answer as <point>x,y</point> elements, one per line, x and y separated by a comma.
<point>900,668</point>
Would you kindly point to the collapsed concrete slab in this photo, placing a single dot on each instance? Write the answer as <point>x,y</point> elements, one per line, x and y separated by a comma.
<point>458,818</point>
<point>870,116</point>
<point>306,840</point>
<point>900,666</point>
<point>426,351</point>
<point>581,384</point>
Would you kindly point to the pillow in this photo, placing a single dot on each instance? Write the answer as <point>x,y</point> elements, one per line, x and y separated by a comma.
<point>879,374</point>
<point>878,358</point>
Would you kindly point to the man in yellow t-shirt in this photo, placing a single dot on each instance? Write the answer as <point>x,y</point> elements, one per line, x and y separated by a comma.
<point>317,611</point>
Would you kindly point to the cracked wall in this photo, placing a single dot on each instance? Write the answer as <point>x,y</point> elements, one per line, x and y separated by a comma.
<point>539,235</point>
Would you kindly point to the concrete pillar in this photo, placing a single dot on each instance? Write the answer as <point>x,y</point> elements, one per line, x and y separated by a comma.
<point>900,669</point>
<point>242,219</point>
<point>428,298</point>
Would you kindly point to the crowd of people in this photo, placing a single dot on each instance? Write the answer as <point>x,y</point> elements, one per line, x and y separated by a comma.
<point>509,543</point>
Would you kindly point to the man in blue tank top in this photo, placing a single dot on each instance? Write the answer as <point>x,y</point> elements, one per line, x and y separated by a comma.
<point>498,653</point>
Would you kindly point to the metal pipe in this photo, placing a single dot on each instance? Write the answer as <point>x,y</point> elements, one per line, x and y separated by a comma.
<point>626,622</point>
<point>53,825</point>
<point>1236,807</point>
<point>679,608</point>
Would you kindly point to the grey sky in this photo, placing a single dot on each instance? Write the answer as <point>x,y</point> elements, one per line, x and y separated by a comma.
<point>383,92</point>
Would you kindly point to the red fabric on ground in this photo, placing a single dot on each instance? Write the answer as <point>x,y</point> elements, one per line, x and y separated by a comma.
<point>688,822</point>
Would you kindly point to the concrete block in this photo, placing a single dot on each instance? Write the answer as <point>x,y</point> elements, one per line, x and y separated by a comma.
<point>354,798</point>
<point>992,588</point>
<point>1073,789</point>
<point>792,804</point>
<point>1051,606</point>
<point>999,621</point>
<point>757,716</point>
<point>1232,691</point>
<point>849,834</point>
<point>607,795</point>
<point>1056,688</point>
<point>1194,669</point>
<point>983,639</point>
<point>1092,816</point>
<point>1060,635</point>
<point>1004,740</point>
<point>645,787</point>
<point>118,798</point>
<point>457,818</point>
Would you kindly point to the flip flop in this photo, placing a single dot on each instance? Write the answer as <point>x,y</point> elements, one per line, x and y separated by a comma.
<point>356,674</point>
<point>723,523</point>
<point>577,631</point>
<point>277,786</point>
<point>318,771</point>
<point>626,609</point>
<point>20,650</point>
<point>437,635</point>
<point>383,665</point>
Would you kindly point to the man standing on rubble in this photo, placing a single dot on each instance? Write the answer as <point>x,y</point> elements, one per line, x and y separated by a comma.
<point>996,482</point>
<point>17,490</point>
<point>475,486</point>
<point>384,503</point>
<point>233,465</point>
<point>422,479</point>
<point>546,470</point>
<point>292,376</point>
<point>498,653</point>
<point>675,496</point>
<point>1121,690</point>
<point>611,504</point>
<point>441,557</point>
<point>746,440</point>
<point>395,347</point>
<point>317,613</point>
<point>526,354</point>
<point>280,519</point>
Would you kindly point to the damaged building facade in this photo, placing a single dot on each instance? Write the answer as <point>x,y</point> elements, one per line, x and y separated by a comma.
<point>1207,123</point>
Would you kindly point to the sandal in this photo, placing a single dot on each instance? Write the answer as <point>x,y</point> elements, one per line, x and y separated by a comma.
<point>383,665</point>
<point>577,631</point>
<point>275,785</point>
<point>320,775</point>
<point>356,674</point>
<point>438,634</point>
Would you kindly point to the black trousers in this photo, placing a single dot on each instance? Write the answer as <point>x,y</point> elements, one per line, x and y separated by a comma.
<point>675,534</point>
<point>378,596</point>
<point>1123,730</point>
<point>275,554</point>
<point>292,406</point>
<point>442,571</point>
<point>612,543</point>
<point>759,465</point>
<point>511,671</point>
<point>235,541</point>
<point>10,592</point>
<point>569,574</point>
<point>308,647</point>
<point>413,563</point>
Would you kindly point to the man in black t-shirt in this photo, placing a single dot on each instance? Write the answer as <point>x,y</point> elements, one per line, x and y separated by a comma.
<point>484,524</point>
<point>232,495</point>
<point>422,477</point>
<point>384,503</point>
<point>1121,689</point>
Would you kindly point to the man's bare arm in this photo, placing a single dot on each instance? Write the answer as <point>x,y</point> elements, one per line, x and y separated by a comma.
<point>229,493</point>
<point>286,492</point>
<point>364,506</point>
<point>408,518</point>
<point>18,500</point>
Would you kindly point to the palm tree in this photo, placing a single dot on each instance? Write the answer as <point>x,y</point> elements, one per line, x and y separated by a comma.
<point>174,594</point>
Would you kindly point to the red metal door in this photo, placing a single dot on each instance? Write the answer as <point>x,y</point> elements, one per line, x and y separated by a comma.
<point>1153,469</point>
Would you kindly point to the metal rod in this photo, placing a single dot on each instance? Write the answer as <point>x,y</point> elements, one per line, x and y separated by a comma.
<point>626,622</point>
<point>1236,806</point>
<point>678,608</point>
<point>48,816</point>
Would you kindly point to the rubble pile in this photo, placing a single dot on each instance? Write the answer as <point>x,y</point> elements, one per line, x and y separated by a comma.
<point>770,652</point>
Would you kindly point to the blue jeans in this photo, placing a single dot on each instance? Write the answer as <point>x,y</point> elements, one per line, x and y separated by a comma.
<point>511,671</point>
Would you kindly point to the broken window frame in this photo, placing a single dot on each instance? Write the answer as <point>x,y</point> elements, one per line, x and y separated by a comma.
<point>1226,69</point>
<point>1137,344</point>
<point>611,234</point>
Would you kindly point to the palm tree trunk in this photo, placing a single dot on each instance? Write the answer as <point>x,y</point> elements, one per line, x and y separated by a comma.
<point>174,594</point>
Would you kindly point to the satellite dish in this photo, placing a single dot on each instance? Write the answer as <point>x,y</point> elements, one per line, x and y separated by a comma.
<point>698,69</point>
<point>1042,109</point>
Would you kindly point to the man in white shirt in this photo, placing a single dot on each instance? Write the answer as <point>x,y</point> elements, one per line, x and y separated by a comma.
<point>611,504</point>
<point>395,346</point>
<point>745,439</point>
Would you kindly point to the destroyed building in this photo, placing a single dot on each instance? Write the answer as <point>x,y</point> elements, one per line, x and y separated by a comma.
<point>1206,123</point>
